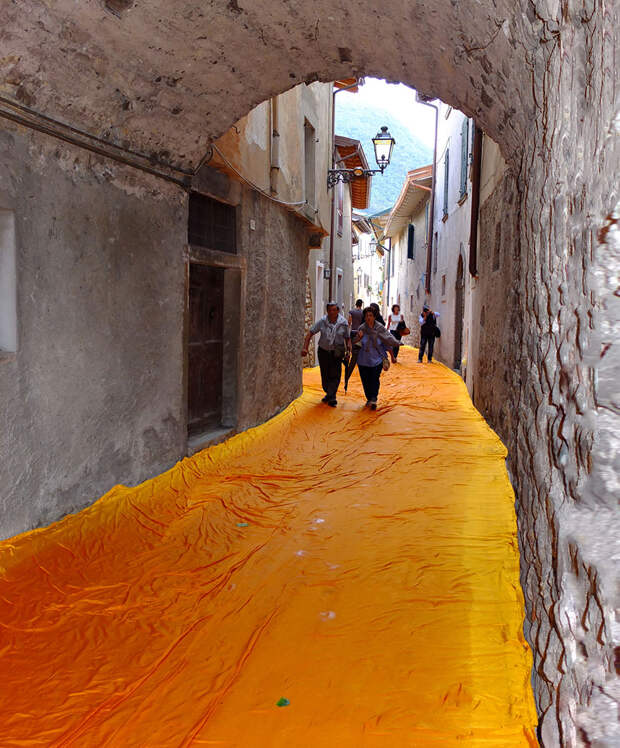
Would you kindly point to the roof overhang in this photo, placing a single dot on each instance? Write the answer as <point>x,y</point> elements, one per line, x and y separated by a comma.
<point>415,192</point>
<point>350,155</point>
<point>352,84</point>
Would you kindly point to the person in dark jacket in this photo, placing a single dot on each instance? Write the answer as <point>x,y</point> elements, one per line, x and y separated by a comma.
<point>356,317</point>
<point>428,333</point>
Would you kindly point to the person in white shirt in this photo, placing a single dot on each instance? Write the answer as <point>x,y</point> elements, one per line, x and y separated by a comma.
<point>396,323</point>
<point>334,343</point>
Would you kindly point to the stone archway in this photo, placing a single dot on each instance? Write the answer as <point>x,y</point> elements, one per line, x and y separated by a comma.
<point>537,77</point>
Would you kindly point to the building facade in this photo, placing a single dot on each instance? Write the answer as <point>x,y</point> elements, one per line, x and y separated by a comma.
<point>178,294</point>
<point>406,233</point>
<point>330,267</point>
<point>436,268</point>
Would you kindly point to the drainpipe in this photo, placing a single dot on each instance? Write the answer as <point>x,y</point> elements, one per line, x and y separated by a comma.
<point>333,166</point>
<point>475,202</point>
<point>274,143</point>
<point>421,99</point>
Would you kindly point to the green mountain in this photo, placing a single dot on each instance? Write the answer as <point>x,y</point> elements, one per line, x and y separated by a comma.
<point>355,119</point>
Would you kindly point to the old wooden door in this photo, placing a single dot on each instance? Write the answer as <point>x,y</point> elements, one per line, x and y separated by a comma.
<point>206,332</point>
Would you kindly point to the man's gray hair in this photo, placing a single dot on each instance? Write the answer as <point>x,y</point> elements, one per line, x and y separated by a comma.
<point>331,303</point>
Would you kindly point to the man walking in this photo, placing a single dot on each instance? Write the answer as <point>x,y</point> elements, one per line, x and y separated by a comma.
<point>428,332</point>
<point>334,342</point>
<point>356,318</point>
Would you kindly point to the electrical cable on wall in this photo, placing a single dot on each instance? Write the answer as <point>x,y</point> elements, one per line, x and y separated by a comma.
<point>251,184</point>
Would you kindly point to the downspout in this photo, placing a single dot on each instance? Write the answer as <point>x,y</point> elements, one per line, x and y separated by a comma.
<point>274,146</point>
<point>421,99</point>
<point>475,202</point>
<point>333,166</point>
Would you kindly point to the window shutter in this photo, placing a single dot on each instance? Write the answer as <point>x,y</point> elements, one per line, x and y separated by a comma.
<point>464,153</point>
<point>445,182</point>
<point>411,242</point>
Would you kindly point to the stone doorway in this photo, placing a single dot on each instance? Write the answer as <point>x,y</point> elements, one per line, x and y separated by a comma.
<point>205,348</point>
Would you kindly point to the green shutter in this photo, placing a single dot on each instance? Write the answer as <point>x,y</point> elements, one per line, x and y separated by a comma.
<point>464,154</point>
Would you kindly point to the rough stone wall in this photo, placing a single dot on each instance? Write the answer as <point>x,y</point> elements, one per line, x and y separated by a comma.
<point>497,321</point>
<point>563,458</point>
<point>93,396</point>
<point>309,321</point>
<point>546,329</point>
<point>277,257</point>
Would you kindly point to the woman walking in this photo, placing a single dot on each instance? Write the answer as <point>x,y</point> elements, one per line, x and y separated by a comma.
<point>396,323</point>
<point>372,358</point>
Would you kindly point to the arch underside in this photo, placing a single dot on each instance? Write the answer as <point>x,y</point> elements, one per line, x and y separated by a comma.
<point>167,84</point>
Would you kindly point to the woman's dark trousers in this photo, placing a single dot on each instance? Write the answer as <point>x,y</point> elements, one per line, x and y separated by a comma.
<point>370,380</point>
<point>331,371</point>
<point>431,345</point>
<point>398,337</point>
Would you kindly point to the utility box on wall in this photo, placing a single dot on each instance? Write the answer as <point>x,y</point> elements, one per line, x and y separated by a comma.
<point>8,283</point>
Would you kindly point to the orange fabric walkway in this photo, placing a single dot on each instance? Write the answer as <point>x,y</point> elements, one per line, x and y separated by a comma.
<point>362,565</point>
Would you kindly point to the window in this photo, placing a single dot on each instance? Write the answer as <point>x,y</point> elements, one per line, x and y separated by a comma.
<point>211,224</point>
<point>498,245</point>
<point>8,283</point>
<point>411,242</point>
<point>446,174</point>
<point>411,303</point>
<point>443,285</point>
<point>340,192</point>
<point>435,254</point>
<point>310,163</point>
<point>339,288</point>
<point>464,157</point>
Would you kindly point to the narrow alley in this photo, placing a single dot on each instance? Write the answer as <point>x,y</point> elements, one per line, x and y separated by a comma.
<point>331,577</point>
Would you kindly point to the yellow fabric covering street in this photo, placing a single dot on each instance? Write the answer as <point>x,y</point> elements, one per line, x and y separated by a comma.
<point>361,565</point>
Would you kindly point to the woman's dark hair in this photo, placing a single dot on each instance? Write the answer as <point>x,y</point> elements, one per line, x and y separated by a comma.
<point>369,309</point>
<point>396,306</point>
<point>374,306</point>
<point>359,302</point>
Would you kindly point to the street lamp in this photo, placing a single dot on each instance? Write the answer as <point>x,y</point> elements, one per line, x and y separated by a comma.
<point>383,143</point>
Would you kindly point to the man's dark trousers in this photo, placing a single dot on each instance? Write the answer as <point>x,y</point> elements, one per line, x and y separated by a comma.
<point>431,344</point>
<point>331,371</point>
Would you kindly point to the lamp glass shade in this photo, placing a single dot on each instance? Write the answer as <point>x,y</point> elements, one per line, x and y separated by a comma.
<point>383,143</point>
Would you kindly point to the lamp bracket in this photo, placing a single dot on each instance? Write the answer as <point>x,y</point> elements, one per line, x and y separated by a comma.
<point>349,175</point>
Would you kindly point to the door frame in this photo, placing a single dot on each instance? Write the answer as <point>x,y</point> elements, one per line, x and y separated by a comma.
<point>233,265</point>
<point>318,309</point>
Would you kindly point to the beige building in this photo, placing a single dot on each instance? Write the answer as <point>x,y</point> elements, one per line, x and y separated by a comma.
<point>276,157</point>
<point>406,234</point>
<point>455,274</point>
<point>330,267</point>
<point>447,276</point>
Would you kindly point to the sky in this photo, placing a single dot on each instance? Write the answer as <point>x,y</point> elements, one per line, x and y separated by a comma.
<point>399,100</point>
